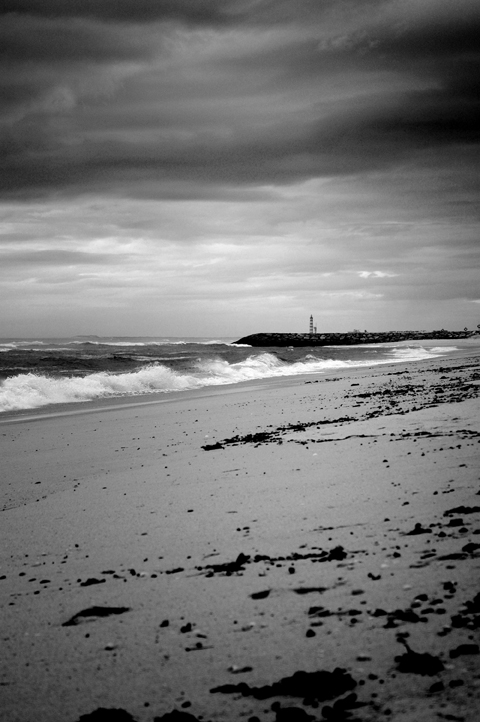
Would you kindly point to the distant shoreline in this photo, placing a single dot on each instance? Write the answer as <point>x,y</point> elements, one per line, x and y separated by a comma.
<point>351,338</point>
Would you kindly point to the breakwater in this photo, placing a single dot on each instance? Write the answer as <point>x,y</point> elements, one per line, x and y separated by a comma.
<point>351,338</point>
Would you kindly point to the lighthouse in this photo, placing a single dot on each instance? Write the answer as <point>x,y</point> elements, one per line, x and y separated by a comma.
<point>311,325</point>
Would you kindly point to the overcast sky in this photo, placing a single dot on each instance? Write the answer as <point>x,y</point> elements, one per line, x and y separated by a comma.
<point>223,167</point>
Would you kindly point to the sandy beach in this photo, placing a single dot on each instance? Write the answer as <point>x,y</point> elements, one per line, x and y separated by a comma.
<point>199,551</point>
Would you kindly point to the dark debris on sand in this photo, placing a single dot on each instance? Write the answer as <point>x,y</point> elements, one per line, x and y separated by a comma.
<point>92,613</point>
<point>418,662</point>
<point>464,649</point>
<point>177,716</point>
<point>120,715</point>
<point>274,436</point>
<point>469,615</point>
<point>418,529</point>
<point>309,686</point>
<point>237,566</point>
<point>462,510</point>
<point>228,568</point>
<point>107,715</point>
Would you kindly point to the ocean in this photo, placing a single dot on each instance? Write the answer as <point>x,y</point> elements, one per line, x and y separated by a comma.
<point>41,372</point>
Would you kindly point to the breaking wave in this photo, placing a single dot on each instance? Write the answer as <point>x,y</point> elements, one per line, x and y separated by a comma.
<point>33,390</point>
<point>30,391</point>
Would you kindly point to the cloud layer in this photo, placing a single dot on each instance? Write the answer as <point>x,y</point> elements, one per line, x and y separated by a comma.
<point>343,136</point>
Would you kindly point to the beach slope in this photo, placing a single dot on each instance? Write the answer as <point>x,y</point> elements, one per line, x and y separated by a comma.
<point>233,553</point>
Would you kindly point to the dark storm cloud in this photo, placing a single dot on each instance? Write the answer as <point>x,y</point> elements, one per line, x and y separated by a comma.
<point>189,11</point>
<point>443,49</point>
<point>406,83</point>
<point>46,64</point>
<point>30,40</point>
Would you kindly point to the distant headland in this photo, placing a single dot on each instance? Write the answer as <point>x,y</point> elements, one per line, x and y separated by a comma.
<point>351,338</point>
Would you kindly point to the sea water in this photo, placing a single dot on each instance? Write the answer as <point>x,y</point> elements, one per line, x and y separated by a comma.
<point>39,372</point>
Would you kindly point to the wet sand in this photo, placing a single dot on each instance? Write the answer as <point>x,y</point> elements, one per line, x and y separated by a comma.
<point>198,553</point>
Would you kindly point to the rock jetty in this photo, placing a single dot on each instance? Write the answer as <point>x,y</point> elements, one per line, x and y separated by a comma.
<point>351,338</point>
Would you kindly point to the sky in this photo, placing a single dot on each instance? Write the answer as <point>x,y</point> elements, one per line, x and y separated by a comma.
<point>226,167</point>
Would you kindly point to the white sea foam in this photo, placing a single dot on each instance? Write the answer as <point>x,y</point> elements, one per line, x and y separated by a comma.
<point>30,390</point>
<point>418,353</point>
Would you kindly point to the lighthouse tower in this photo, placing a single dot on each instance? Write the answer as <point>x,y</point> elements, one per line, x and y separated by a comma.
<point>311,325</point>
